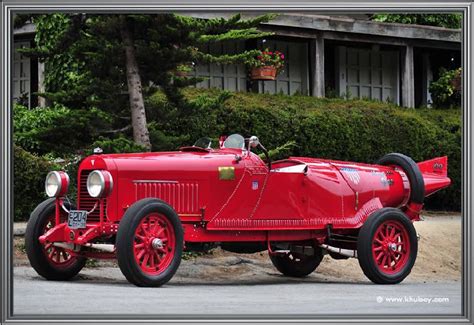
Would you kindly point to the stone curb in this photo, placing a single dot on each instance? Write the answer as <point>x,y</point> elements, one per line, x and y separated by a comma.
<point>19,228</point>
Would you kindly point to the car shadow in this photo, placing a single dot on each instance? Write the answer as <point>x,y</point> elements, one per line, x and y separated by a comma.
<point>268,279</point>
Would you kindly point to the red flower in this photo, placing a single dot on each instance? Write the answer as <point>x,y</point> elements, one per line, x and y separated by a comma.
<point>270,53</point>
<point>282,56</point>
<point>259,57</point>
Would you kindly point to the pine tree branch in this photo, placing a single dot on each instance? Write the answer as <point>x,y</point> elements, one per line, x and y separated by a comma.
<point>226,58</point>
<point>182,82</point>
<point>221,25</point>
<point>125,128</point>
<point>234,34</point>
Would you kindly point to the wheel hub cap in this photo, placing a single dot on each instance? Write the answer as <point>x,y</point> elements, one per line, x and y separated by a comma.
<point>157,243</point>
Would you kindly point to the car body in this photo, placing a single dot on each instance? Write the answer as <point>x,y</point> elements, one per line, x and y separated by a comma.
<point>152,206</point>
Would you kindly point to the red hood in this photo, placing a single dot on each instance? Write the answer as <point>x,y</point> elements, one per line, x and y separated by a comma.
<point>171,160</point>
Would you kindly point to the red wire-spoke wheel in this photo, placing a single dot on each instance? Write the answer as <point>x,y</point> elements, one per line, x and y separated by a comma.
<point>58,256</point>
<point>49,261</point>
<point>154,244</point>
<point>149,243</point>
<point>391,247</point>
<point>387,246</point>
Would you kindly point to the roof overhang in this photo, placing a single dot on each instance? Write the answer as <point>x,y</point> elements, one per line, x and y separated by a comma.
<point>342,28</point>
<point>28,28</point>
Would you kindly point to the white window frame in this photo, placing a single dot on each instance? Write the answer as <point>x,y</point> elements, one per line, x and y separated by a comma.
<point>25,75</point>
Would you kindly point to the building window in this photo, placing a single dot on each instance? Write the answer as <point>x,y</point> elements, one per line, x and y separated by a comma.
<point>21,75</point>
<point>292,80</point>
<point>364,73</point>
<point>231,77</point>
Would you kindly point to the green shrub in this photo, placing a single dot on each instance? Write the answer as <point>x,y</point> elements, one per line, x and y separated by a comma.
<point>117,145</point>
<point>56,129</point>
<point>446,91</point>
<point>28,182</point>
<point>354,130</point>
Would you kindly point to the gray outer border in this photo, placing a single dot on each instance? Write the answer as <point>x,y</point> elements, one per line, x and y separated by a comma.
<point>8,6</point>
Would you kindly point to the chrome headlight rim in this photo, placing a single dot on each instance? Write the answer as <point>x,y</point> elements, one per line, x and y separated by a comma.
<point>105,183</point>
<point>101,183</point>
<point>62,183</point>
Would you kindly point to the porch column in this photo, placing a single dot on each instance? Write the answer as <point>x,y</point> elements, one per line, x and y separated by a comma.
<point>317,66</point>
<point>408,77</point>
<point>41,89</point>
<point>426,79</point>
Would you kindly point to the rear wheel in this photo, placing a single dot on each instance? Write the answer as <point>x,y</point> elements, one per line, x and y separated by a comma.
<point>49,261</point>
<point>297,265</point>
<point>387,246</point>
<point>149,243</point>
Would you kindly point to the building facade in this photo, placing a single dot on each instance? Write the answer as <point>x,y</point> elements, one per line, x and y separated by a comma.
<point>341,56</point>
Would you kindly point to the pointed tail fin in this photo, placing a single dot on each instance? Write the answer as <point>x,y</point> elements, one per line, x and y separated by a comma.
<point>435,174</point>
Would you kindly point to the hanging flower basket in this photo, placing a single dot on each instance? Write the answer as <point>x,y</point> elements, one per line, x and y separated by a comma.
<point>265,65</point>
<point>263,73</point>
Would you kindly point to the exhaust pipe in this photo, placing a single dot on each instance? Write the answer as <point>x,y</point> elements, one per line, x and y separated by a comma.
<point>110,248</point>
<point>340,251</point>
<point>69,246</point>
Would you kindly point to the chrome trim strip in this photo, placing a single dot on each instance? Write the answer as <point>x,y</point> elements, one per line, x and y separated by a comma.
<point>154,181</point>
<point>111,183</point>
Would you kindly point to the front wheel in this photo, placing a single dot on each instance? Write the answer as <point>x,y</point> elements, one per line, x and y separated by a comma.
<point>387,246</point>
<point>297,265</point>
<point>49,261</point>
<point>149,243</point>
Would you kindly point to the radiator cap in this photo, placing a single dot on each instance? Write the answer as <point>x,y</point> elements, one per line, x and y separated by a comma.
<point>98,150</point>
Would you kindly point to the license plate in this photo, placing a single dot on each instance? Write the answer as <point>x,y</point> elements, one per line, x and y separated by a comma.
<point>77,219</point>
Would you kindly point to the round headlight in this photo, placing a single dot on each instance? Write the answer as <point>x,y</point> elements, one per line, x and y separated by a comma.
<point>99,183</point>
<point>56,184</point>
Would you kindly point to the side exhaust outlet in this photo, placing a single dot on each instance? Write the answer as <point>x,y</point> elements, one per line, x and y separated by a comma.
<point>341,251</point>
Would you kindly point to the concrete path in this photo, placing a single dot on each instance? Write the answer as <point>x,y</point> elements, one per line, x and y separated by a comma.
<point>105,291</point>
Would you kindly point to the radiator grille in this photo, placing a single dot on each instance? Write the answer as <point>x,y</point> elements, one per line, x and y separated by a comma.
<point>183,197</point>
<point>86,202</point>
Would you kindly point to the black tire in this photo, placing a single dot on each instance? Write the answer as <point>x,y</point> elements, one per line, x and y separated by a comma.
<point>411,169</point>
<point>126,240</point>
<point>297,265</point>
<point>35,250</point>
<point>366,242</point>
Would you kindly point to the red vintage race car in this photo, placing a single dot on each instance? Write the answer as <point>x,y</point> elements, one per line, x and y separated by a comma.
<point>146,208</point>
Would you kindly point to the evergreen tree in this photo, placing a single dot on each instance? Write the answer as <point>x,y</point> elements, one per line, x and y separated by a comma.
<point>105,61</point>
<point>439,20</point>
